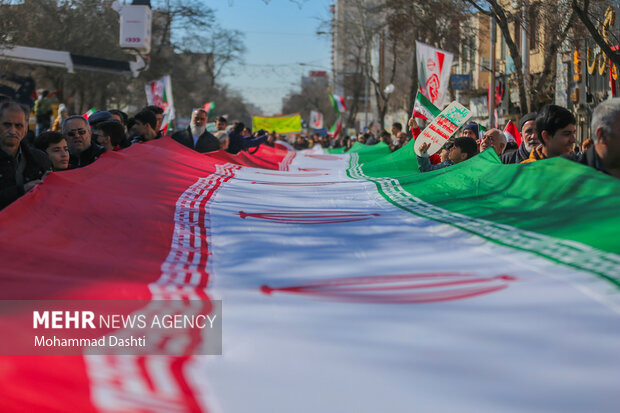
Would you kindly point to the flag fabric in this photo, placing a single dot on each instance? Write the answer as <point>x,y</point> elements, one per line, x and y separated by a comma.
<point>336,128</point>
<point>88,113</point>
<point>424,108</point>
<point>159,93</point>
<point>209,107</point>
<point>387,288</point>
<point>316,119</point>
<point>338,103</point>
<point>512,133</point>
<point>433,72</point>
<point>288,123</point>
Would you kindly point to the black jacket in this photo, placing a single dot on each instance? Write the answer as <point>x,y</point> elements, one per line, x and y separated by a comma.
<point>37,164</point>
<point>205,143</point>
<point>517,156</point>
<point>87,157</point>
<point>237,142</point>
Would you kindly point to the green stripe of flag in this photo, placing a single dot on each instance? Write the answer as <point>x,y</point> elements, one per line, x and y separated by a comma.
<point>557,209</point>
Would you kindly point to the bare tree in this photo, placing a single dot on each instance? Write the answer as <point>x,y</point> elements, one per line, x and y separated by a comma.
<point>313,96</point>
<point>601,33</point>
<point>555,17</point>
<point>362,29</point>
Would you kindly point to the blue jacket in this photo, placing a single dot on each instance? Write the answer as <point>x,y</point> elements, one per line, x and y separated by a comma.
<point>424,164</point>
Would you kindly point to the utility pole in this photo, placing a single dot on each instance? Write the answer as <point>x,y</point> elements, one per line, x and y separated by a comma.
<point>492,79</point>
<point>525,55</point>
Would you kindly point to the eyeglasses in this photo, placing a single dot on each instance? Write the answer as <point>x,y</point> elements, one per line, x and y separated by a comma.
<point>73,133</point>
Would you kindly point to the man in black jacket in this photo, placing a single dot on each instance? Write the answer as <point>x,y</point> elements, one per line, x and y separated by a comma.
<point>604,155</point>
<point>529,140</point>
<point>83,151</point>
<point>237,142</point>
<point>196,136</point>
<point>21,166</point>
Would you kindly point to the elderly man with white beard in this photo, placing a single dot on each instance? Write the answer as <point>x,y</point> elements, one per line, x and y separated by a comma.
<point>529,140</point>
<point>196,136</point>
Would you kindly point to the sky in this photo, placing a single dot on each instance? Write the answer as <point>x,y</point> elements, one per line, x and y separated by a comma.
<point>282,45</point>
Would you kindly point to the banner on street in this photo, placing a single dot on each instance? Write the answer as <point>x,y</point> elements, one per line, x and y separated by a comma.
<point>289,123</point>
<point>316,119</point>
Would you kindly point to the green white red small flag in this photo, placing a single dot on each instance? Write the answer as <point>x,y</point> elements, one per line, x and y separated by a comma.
<point>209,107</point>
<point>89,113</point>
<point>512,133</point>
<point>338,103</point>
<point>336,127</point>
<point>424,108</point>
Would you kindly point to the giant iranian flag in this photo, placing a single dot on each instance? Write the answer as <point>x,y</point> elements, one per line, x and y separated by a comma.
<point>349,282</point>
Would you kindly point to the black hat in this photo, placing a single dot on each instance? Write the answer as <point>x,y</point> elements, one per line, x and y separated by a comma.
<point>99,117</point>
<point>530,116</point>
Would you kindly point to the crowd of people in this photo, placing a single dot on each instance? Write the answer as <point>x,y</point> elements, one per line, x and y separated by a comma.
<point>69,142</point>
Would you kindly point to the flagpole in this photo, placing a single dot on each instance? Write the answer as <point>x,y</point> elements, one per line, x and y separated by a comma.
<point>525,54</point>
<point>492,80</point>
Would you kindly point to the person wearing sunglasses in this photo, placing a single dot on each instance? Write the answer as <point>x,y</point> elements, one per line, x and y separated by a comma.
<point>83,151</point>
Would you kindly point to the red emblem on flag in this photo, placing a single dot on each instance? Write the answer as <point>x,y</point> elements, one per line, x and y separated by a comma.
<point>312,169</point>
<point>432,86</point>
<point>290,175</point>
<point>295,183</point>
<point>324,157</point>
<point>309,217</point>
<point>431,65</point>
<point>399,289</point>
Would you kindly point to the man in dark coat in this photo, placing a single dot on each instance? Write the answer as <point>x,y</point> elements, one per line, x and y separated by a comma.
<point>529,140</point>
<point>604,155</point>
<point>21,166</point>
<point>237,142</point>
<point>83,151</point>
<point>196,136</point>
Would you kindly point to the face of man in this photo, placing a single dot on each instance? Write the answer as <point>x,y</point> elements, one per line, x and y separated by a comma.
<point>468,133</point>
<point>529,136</point>
<point>561,143</point>
<point>455,155</point>
<point>78,135</point>
<point>220,125</point>
<point>199,123</point>
<point>199,118</point>
<point>59,155</point>
<point>395,131</point>
<point>491,140</point>
<point>101,138</point>
<point>443,154</point>
<point>13,128</point>
<point>611,143</point>
<point>160,118</point>
<point>145,130</point>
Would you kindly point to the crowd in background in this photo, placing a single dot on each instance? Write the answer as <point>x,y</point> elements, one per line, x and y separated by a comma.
<point>74,141</point>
